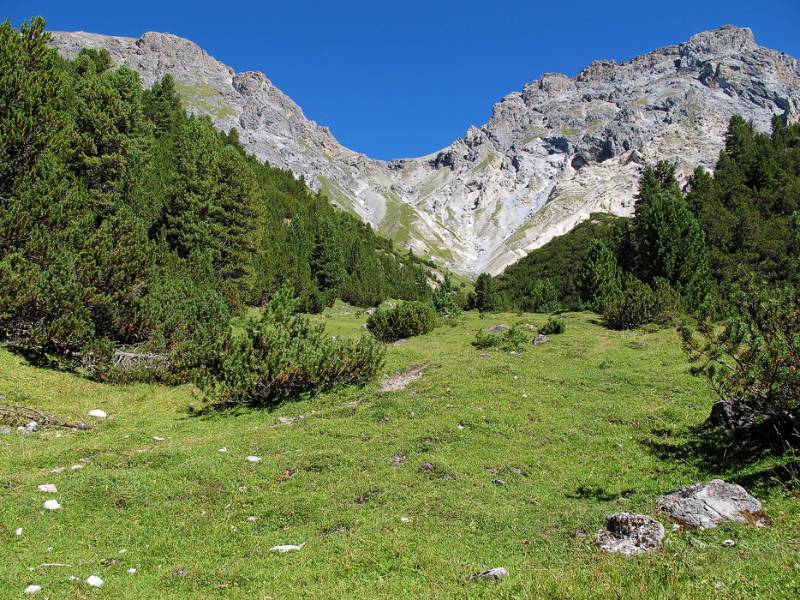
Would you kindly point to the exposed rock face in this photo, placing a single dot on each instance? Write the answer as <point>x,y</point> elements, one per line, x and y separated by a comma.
<point>704,505</point>
<point>630,534</point>
<point>549,156</point>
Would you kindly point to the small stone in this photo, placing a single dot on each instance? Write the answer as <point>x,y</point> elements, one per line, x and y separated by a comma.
<point>728,543</point>
<point>18,532</point>
<point>74,578</point>
<point>290,420</point>
<point>57,470</point>
<point>223,450</point>
<point>131,571</point>
<point>405,519</point>
<point>697,543</point>
<point>287,548</point>
<point>75,467</point>
<point>498,482</point>
<point>524,395</point>
<point>460,426</point>
<point>32,590</point>
<point>51,505</point>
<point>540,339</point>
<point>158,439</point>
<point>122,550</point>
<point>252,519</point>
<point>501,328</point>
<point>254,459</point>
<point>97,413</point>
<point>29,428</point>
<point>676,527</point>
<point>5,430</point>
<point>48,488</point>
<point>426,466</point>
<point>94,581</point>
<point>491,574</point>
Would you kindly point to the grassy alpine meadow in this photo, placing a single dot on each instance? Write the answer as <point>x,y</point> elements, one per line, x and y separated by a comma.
<point>489,459</point>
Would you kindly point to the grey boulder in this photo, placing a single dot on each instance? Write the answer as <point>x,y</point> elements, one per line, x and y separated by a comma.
<point>540,339</point>
<point>703,505</point>
<point>630,534</point>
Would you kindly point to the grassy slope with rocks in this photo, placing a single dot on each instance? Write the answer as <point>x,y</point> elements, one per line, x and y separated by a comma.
<point>594,422</point>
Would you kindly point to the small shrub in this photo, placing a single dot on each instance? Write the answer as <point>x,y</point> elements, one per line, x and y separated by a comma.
<point>631,308</point>
<point>281,354</point>
<point>512,339</point>
<point>554,325</point>
<point>446,299</point>
<point>753,364</point>
<point>402,321</point>
<point>668,302</point>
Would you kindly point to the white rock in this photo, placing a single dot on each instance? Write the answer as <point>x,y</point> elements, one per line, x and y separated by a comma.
<point>94,581</point>
<point>123,550</point>
<point>57,470</point>
<point>405,519</point>
<point>74,578</point>
<point>51,505</point>
<point>32,590</point>
<point>495,573</point>
<point>48,488</point>
<point>158,439</point>
<point>222,450</point>
<point>131,571</point>
<point>729,543</point>
<point>18,532</point>
<point>252,519</point>
<point>287,548</point>
<point>75,467</point>
<point>97,413</point>
<point>253,459</point>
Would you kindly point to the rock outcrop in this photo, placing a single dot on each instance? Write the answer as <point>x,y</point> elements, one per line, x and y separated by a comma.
<point>703,505</point>
<point>550,155</point>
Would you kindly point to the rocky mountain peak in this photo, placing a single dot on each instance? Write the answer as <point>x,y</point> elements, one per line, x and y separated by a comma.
<point>550,154</point>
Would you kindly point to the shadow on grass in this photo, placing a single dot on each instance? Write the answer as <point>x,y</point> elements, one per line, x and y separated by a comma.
<point>42,359</point>
<point>599,493</point>
<point>715,452</point>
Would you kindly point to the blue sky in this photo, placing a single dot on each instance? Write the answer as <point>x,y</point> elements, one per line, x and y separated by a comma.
<point>395,79</point>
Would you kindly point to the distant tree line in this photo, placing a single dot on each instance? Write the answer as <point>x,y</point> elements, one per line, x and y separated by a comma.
<point>125,221</point>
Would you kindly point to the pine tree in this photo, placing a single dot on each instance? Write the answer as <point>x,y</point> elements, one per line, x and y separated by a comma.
<point>32,102</point>
<point>162,106</point>
<point>671,245</point>
<point>235,221</point>
<point>601,278</point>
<point>486,298</point>
<point>327,262</point>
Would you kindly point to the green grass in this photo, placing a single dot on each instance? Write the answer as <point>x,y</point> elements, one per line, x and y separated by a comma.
<point>336,194</point>
<point>594,422</point>
<point>205,98</point>
<point>398,220</point>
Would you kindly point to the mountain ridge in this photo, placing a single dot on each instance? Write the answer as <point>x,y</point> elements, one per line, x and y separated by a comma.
<point>549,155</point>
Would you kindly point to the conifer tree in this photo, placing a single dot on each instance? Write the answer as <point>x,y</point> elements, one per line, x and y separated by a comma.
<point>32,98</point>
<point>601,278</point>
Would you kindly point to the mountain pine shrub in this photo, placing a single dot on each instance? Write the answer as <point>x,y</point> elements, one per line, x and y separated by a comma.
<point>402,321</point>
<point>753,363</point>
<point>554,325</point>
<point>514,339</point>
<point>281,354</point>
